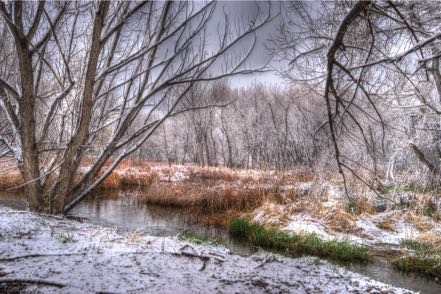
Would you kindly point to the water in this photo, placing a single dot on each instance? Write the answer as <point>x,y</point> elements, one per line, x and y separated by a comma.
<point>124,210</point>
<point>383,271</point>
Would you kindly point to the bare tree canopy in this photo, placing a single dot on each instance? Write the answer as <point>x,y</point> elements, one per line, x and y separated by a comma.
<point>76,76</point>
<point>377,65</point>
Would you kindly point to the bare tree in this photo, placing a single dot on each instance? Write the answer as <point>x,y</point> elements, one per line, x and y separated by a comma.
<point>377,65</point>
<point>75,77</point>
<point>257,127</point>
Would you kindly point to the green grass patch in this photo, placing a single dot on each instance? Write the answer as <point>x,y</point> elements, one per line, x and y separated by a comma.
<point>297,245</point>
<point>199,240</point>
<point>426,264</point>
<point>416,246</point>
<point>424,260</point>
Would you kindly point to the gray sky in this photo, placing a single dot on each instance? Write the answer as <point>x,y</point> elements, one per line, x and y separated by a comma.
<point>242,12</point>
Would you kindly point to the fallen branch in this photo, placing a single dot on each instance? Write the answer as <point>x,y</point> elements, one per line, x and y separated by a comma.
<point>175,253</point>
<point>38,255</point>
<point>191,254</point>
<point>203,257</point>
<point>32,281</point>
<point>191,247</point>
<point>269,259</point>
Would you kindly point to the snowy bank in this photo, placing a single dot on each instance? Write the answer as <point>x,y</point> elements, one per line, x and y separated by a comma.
<point>67,256</point>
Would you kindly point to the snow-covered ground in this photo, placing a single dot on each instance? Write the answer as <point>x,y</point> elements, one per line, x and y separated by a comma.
<point>365,229</point>
<point>74,257</point>
<point>329,220</point>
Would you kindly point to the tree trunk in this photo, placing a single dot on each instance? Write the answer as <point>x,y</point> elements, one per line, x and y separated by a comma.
<point>31,170</point>
<point>60,192</point>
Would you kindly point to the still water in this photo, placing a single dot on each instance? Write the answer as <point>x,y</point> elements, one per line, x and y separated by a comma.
<point>127,212</point>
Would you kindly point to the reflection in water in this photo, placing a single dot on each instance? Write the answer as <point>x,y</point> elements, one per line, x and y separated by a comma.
<point>383,271</point>
<point>124,210</point>
<point>14,200</point>
<point>127,212</point>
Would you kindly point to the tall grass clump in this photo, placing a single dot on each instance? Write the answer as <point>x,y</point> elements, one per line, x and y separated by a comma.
<point>296,244</point>
<point>204,198</point>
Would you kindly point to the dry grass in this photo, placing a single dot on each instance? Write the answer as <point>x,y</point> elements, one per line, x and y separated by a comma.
<point>111,182</point>
<point>10,179</point>
<point>387,224</point>
<point>128,173</point>
<point>273,214</point>
<point>141,173</point>
<point>431,239</point>
<point>215,174</point>
<point>137,179</point>
<point>341,221</point>
<point>220,193</point>
<point>170,194</point>
<point>420,221</point>
<point>208,198</point>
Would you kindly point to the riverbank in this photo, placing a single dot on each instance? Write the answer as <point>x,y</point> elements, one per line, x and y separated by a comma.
<point>47,253</point>
<point>295,202</point>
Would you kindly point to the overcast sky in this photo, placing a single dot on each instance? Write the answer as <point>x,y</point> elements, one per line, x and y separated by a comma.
<point>243,11</point>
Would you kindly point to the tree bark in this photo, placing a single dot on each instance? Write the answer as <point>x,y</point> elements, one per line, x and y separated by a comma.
<point>60,192</point>
<point>26,103</point>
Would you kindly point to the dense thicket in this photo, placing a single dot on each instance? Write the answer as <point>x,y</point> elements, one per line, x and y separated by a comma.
<point>260,127</point>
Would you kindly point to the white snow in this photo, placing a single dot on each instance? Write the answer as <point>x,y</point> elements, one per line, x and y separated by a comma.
<point>88,258</point>
<point>179,176</point>
<point>307,227</point>
<point>367,232</point>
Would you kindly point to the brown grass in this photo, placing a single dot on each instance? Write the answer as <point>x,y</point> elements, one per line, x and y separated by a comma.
<point>170,194</point>
<point>215,174</point>
<point>341,221</point>
<point>111,182</point>
<point>431,239</point>
<point>128,173</point>
<point>220,193</point>
<point>119,178</point>
<point>272,213</point>
<point>361,205</point>
<point>10,179</point>
<point>212,199</point>
<point>419,221</point>
<point>138,179</point>
<point>387,224</point>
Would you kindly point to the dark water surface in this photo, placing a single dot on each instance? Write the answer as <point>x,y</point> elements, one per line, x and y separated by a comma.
<point>127,212</point>
<point>124,210</point>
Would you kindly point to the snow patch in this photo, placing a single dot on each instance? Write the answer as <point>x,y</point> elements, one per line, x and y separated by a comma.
<point>88,258</point>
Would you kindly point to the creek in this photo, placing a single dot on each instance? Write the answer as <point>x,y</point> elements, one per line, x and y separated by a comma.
<point>125,210</point>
